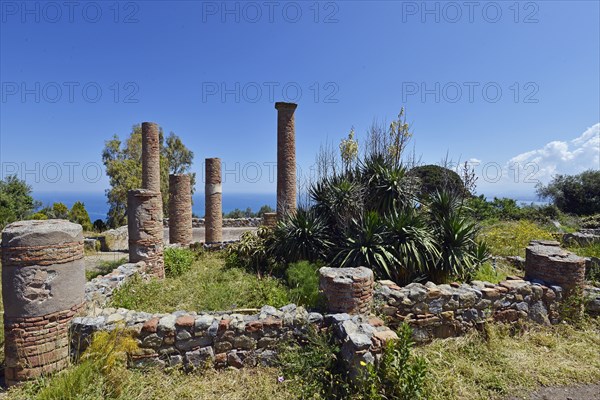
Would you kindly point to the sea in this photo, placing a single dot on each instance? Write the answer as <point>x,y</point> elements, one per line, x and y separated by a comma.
<point>95,203</point>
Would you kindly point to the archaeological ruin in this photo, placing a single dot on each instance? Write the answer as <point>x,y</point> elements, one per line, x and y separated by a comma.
<point>213,202</point>
<point>180,209</point>
<point>43,278</point>
<point>286,158</point>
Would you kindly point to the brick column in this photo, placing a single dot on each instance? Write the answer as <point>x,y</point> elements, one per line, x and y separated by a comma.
<point>269,220</point>
<point>286,158</point>
<point>43,278</point>
<point>145,228</point>
<point>180,209</point>
<point>150,157</point>
<point>213,214</point>
<point>545,261</point>
<point>347,290</point>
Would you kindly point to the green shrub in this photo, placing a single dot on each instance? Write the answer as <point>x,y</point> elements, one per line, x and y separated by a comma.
<point>398,375</point>
<point>578,194</point>
<point>301,236</point>
<point>178,261</point>
<point>252,252</point>
<point>303,279</point>
<point>312,367</point>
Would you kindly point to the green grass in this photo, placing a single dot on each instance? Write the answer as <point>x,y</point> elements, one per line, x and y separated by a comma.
<point>487,272</point>
<point>591,250</point>
<point>207,286</point>
<point>510,238</point>
<point>104,268</point>
<point>474,367</point>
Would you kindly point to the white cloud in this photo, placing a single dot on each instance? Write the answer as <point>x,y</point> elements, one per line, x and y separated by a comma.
<point>519,175</point>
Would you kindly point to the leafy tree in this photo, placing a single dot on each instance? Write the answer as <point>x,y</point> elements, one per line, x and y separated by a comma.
<point>264,209</point>
<point>123,162</point>
<point>577,194</point>
<point>60,211</point>
<point>433,178</point>
<point>180,158</point>
<point>56,211</point>
<point>16,202</point>
<point>99,225</point>
<point>79,215</point>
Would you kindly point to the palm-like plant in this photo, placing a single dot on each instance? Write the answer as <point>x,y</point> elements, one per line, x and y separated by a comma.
<point>338,200</point>
<point>388,187</point>
<point>413,244</point>
<point>366,246</point>
<point>455,235</point>
<point>302,235</point>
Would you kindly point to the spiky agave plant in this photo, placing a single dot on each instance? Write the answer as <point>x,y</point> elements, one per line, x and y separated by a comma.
<point>302,235</point>
<point>365,245</point>
<point>413,244</point>
<point>388,186</point>
<point>455,235</point>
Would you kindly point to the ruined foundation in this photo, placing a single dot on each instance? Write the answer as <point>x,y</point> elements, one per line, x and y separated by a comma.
<point>150,157</point>
<point>213,202</point>
<point>43,278</point>
<point>347,290</point>
<point>545,261</point>
<point>145,228</point>
<point>286,159</point>
<point>180,209</point>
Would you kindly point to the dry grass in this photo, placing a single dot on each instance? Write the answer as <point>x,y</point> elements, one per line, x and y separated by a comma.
<point>473,367</point>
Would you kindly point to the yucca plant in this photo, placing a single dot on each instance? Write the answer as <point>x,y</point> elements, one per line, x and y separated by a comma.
<point>302,235</point>
<point>388,187</point>
<point>455,235</point>
<point>337,200</point>
<point>365,245</point>
<point>413,244</point>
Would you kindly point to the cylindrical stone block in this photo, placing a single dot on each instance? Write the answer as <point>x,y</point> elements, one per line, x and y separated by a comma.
<point>213,212</point>
<point>545,261</point>
<point>150,157</point>
<point>43,279</point>
<point>180,209</point>
<point>145,228</point>
<point>269,220</point>
<point>347,290</point>
<point>286,159</point>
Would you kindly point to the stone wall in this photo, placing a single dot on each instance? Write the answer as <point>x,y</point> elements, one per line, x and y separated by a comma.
<point>440,311</point>
<point>192,340</point>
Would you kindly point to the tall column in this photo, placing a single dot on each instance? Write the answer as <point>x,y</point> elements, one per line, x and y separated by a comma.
<point>213,212</point>
<point>43,278</point>
<point>145,228</point>
<point>150,157</point>
<point>286,159</point>
<point>180,209</point>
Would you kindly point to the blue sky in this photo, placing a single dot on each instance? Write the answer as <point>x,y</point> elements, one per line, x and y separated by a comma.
<point>492,82</point>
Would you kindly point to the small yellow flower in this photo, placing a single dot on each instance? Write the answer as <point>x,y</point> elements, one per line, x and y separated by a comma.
<point>364,364</point>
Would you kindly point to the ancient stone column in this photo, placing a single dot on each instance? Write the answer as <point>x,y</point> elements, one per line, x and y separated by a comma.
<point>286,159</point>
<point>545,261</point>
<point>145,228</point>
<point>150,157</point>
<point>269,220</point>
<point>43,278</point>
<point>213,214</point>
<point>180,209</point>
<point>347,290</point>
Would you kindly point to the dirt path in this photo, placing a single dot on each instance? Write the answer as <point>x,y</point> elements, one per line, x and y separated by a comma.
<point>578,392</point>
